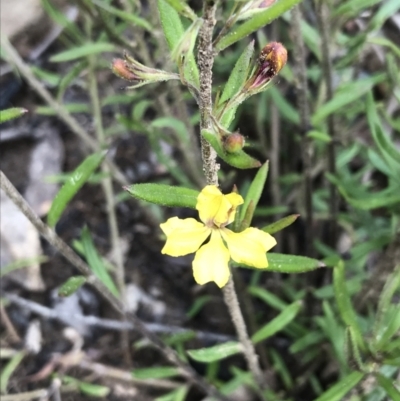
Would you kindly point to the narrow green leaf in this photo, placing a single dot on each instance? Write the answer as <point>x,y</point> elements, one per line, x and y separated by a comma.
<point>182,8</point>
<point>94,390</point>
<point>389,387</point>
<point>281,263</point>
<point>344,304</point>
<point>82,51</point>
<point>391,328</point>
<point>21,263</point>
<point>392,285</point>
<point>238,75</point>
<point>73,185</point>
<point>256,22</point>
<point>239,160</point>
<point>96,263</point>
<point>266,296</point>
<point>346,94</point>
<point>255,190</point>
<point>278,323</point>
<point>174,31</point>
<point>198,305</point>
<point>215,353</point>
<point>178,394</point>
<point>8,370</point>
<point>69,77</point>
<point>130,17</point>
<point>280,224</point>
<point>159,372</point>
<point>341,388</point>
<point>71,285</point>
<point>9,114</point>
<point>369,201</point>
<point>165,195</point>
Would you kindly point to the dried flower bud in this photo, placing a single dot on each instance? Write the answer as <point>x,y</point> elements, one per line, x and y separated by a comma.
<point>121,69</point>
<point>271,60</point>
<point>133,71</point>
<point>233,143</point>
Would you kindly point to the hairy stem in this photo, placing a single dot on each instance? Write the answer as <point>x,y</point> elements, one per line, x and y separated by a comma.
<point>205,60</point>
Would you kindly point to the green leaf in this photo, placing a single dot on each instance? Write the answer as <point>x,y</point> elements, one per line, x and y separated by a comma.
<point>71,285</point>
<point>281,263</point>
<point>73,185</point>
<point>174,31</point>
<point>391,328</point>
<point>9,114</point>
<point>8,370</point>
<point>239,160</point>
<point>346,94</point>
<point>82,51</point>
<point>96,263</point>
<point>215,353</point>
<point>278,323</point>
<point>94,390</point>
<point>256,22</point>
<point>280,224</point>
<point>388,386</point>
<point>178,394</point>
<point>368,201</point>
<point>21,263</point>
<point>198,305</point>
<point>343,301</point>
<point>159,372</point>
<point>238,75</point>
<point>256,189</point>
<point>182,8</point>
<point>341,388</point>
<point>165,195</point>
<point>266,296</point>
<point>129,17</point>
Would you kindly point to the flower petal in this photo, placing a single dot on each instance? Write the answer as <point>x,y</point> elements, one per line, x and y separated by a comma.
<point>249,246</point>
<point>211,262</point>
<point>216,208</point>
<point>184,236</point>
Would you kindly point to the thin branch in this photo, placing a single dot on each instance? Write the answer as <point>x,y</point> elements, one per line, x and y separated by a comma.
<point>232,302</point>
<point>109,324</point>
<point>76,261</point>
<point>304,111</point>
<point>324,26</point>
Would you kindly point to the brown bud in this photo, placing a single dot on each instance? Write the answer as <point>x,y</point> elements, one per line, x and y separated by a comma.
<point>233,143</point>
<point>121,69</point>
<point>271,60</point>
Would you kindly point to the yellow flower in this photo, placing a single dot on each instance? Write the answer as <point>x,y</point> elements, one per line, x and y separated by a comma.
<point>211,261</point>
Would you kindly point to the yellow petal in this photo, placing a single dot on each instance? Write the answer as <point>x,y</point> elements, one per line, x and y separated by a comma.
<point>183,236</point>
<point>249,246</point>
<point>208,203</point>
<point>211,262</point>
<point>216,208</point>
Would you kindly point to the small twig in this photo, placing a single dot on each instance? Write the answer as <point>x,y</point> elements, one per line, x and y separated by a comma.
<point>14,337</point>
<point>27,396</point>
<point>76,261</point>
<point>304,111</point>
<point>106,183</point>
<point>324,25</point>
<point>109,324</point>
<point>232,302</point>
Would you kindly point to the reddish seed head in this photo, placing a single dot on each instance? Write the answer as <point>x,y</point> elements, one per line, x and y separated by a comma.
<point>121,69</point>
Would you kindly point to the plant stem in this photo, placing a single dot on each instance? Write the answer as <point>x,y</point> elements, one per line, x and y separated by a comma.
<point>304,111</point>
<point>205,60</point>
<point>232,302</point>
<point>117,305</point>
<point>106,183</point>
<point>324,25</point>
